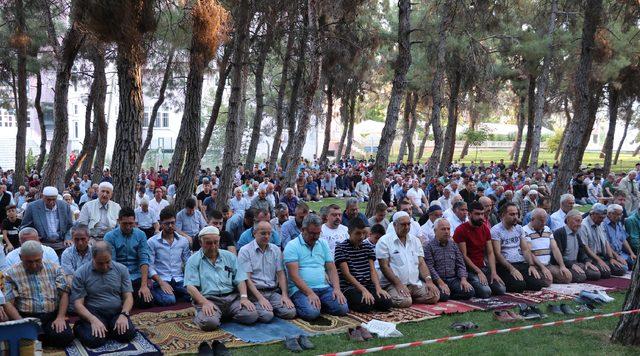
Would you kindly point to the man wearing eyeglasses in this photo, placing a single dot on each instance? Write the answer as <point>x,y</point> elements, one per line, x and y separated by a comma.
<point>169,251</point>
<point>129,247</point>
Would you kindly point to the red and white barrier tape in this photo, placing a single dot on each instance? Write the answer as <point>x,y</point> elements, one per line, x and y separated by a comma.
<point>484,333</point>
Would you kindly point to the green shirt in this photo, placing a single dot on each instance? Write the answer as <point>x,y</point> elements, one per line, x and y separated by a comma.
<point>213,278</point>
<point>632,225</point>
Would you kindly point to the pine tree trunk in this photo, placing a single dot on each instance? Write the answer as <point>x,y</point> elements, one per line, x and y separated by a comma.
<point>344,116</point>
<point>190,125</point>
<point>452,122</point>
<point>259,78</point>
<point>126,152</point>
<point>43,128</point>
<point>613,118</point>
<point>627,120</point>
<point>582,86</point>
<point>242,19</point>
<point>567,115</point>
<point>87,144</point>
<point>403,62</point>
<point>515,150</point>
<point>406,122</point>
<point>156,106</point>
<point>542,84</point>
<point>627,332</point>
<point>526,152</point>
<point>412,128</point>
<point>223,74</point>
<point>53,172</point>
<point>327,125</point>
<point>473,122</point>
<point>352,122</point>
<point>423,142</point>
<point>594,103</point>
<point>447,11</point>
<point>282,87</point>
<point>22,115</point>
<point>99,119</point>
<point>293,99</point>
<point>315,59</point>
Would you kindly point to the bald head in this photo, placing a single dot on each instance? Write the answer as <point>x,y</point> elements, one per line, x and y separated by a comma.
<point>538,219</point>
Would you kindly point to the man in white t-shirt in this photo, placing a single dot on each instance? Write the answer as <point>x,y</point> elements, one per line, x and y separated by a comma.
<point>157,203</point>
<point>418,198</point>
<point>333,232</point>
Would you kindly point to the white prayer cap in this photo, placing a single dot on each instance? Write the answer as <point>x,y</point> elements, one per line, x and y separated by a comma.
<point>50,192</point>
<point>106,185</point>
<point>399,215</point>
<point>209,230</point>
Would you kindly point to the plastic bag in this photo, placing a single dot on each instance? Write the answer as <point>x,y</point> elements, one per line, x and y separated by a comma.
<point>382,328</point>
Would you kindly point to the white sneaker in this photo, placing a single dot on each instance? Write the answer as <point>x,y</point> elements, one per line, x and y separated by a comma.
<point>604,295</point>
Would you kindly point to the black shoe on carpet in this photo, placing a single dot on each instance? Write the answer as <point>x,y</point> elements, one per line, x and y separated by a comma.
<point>205,349</point>
<point>219,349</point>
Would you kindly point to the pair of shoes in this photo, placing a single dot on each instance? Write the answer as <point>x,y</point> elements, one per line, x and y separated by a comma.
<point>359,334</point>
<point>297,344</point>
<point>562,309</point>
<point>216,348</point>
<point>587,307</point>
<point>531,312</point>
<point>597,296</point>
<point>464,326</point>
<point>506,315</point>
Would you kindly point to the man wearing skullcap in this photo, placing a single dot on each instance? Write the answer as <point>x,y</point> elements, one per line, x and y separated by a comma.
<point>100,215</point>
<point>51,218</point>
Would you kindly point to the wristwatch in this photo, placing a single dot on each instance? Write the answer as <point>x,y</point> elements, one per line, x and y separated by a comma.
<point>243,296</point>
<point>428,277</point>
<point>124,313</point>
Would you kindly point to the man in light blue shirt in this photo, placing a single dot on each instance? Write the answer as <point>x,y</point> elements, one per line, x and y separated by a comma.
<point>147,218</point>
<point>292,228</point>
<point>247,235</point>
<point>77,255</point>
<point>168,253</point>
<point>211,276</point>
<point>238,203</point>
<point>189,220</point>
<point>129,247</point>
<point>307,260</point>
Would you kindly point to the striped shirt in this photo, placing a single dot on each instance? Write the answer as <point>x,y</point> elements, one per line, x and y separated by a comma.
<point>35,292</point>
<point>357,259</point>
<point>540,242</point>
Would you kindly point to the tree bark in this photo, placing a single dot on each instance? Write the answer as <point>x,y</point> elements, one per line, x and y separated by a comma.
<point>614,102</point>
<point>403,62</point>
<point>526,153</point>
<point>21,116</point>
<point>515,150</point>
<point>406,122</point>
<point>87,144</point>
<point>412,128</point>
<point>447,11</point>
<point>223,74</point>
<point>423,142</point>
<point>327,125</point>
<point>99,119</point>
<point>315,59</point>
<point>53,172</point>
<point>242,19</point>
<point>265,47</point>
<point>344,116</point>
<point>627,120</point>
<point>452,122</point>
<point>156,106</point>
<point>473,122</point>
<point>293,99</point>
<point>43,128</point>
<point>592,110</point>
<point>582,86</point>
<point>126,152</point>
<point>567,115</point>
<point>627,332</point>
<point>352,122</point>
<point>282,87</point>
<point>541,94</point>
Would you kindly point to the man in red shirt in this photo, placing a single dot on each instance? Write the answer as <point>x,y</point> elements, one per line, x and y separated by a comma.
<point>474,240</point>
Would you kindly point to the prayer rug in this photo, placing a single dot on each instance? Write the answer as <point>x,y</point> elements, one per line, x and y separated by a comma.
<point>541,296</point>
<point>326,324</point>
<point>395,315</point>
<point>140,345</point>
<point>574,289</point>
<point>614,283</point>
<point>496,302</point>
<point>277,329</point>
<point>448,307</point>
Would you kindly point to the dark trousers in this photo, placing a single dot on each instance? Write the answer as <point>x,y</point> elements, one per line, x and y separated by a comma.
<point>138,301</point>
<point>613,270</point>
<point>149,231</point>
<point>515,286</point>
<point>456,290</point>
<point>82,330</point>
<point>50,337</point>
<point>354,300</point>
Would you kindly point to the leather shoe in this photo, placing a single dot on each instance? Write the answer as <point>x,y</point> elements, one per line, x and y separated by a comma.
<point>554,309</point>
<point>305,343</point>
<point>354,335</point>
<point>567,309</point>
<point>366,335</point>
<point>205,349</point>
<point>219,349</point>
<point>291,344</point>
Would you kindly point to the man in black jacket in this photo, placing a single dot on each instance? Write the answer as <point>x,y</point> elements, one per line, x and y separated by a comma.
<point>573,252</point>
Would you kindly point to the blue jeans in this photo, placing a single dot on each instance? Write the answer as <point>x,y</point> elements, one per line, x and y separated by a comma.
<point>329,305</point>
<point>163,299</point>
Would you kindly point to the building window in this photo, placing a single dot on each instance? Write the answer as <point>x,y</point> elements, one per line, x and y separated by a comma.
<point>145,121</point>
<point>160,143</point>
<point>165,119</point>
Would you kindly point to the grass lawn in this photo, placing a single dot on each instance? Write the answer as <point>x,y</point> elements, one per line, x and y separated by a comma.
<point>585,338</point>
